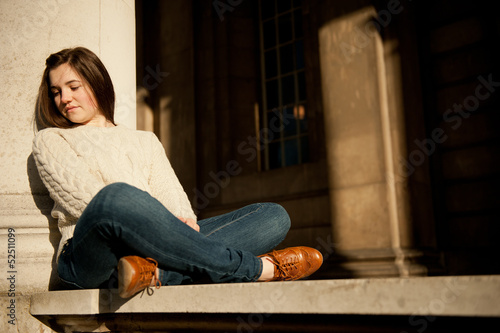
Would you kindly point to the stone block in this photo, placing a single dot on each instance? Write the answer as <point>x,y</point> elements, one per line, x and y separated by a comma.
<point>462,65</point>
<point>360,217</point>
<point>455,35</point>
<point>356,160</point>
<point>471,163</point>
<point>409,298</point>
<point>472,196</point>
<point>477,128</point>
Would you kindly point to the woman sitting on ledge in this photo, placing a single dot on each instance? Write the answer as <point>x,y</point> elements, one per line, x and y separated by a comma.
<point>121,208</point>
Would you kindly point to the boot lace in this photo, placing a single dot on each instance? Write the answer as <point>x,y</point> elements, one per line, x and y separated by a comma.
<point>146,272</point>
<point>285,269</point>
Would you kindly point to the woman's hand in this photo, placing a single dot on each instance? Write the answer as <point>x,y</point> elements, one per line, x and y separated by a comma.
<point>190,222</point>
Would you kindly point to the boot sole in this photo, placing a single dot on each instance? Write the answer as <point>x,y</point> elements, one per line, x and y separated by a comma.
<point>124,278</point>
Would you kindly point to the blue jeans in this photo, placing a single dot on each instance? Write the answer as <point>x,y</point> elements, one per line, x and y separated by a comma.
<point>122,220</point>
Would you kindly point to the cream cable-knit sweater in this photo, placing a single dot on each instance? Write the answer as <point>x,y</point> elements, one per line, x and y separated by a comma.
<point>76,163</point>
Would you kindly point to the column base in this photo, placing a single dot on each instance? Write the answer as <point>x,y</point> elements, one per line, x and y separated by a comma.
<point>373,263</point>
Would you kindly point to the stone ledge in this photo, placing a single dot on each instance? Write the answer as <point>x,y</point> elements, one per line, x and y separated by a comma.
<point>455,296</point>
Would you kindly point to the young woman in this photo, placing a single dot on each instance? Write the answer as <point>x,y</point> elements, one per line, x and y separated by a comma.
<point>120,207</point>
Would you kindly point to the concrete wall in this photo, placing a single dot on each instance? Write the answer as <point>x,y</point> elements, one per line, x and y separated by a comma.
<point>31,30</point>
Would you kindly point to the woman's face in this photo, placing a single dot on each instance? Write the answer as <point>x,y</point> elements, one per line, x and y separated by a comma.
<point>73,97</point>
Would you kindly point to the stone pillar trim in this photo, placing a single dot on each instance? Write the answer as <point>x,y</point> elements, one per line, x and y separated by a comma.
<point>32,30</point>
<point>380,262</point>
<point>365,137</point>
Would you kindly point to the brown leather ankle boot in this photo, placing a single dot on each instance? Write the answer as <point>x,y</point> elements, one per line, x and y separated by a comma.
<point>136,274</point>
<point>294,263</point>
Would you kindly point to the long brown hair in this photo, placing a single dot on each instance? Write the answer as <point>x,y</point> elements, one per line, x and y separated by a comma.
<point>91,69</point>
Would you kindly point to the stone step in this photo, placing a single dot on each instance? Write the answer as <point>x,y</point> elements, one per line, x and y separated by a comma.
<point>250,303</point>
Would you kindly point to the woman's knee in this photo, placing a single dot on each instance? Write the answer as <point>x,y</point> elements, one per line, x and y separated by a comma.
<point>117,194</point>
<point>280,216</point>
<point>110,200</point>
<point>114,189</point>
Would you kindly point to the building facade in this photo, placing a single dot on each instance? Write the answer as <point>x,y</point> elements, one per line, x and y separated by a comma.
<point>371,122</point>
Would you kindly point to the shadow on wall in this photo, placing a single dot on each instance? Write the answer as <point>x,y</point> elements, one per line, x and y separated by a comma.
<point>44,203</point>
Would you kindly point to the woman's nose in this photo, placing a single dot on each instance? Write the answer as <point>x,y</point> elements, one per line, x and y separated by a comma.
<point>66,97</point>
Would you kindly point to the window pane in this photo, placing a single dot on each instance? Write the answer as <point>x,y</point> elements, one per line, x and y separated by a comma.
<point>274,155</point>
<point>269,32</point>
<point>301,78</point>
<point>304,148</point>
<point>272,94</point>
<point>284,115</point>
<point>297,17</point>
<point>285,28</point>
<point>288,89</point>
<point>267,9</point>
<point>273,125</point>
<point>283,5</point>
<point>289,122</point>
<point>299,54</point>
<point>291,152</point>
<point>286,59</point>
<point>271,63</point>
<point>301,116</point>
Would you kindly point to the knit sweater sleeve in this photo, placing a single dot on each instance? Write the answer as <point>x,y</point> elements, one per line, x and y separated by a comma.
<point>67,176</point>
<point>165,185</point>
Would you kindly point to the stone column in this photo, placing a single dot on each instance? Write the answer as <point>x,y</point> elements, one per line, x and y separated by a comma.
<point>175,89</point>
<point>31,30</point>
<point>365,137</point>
